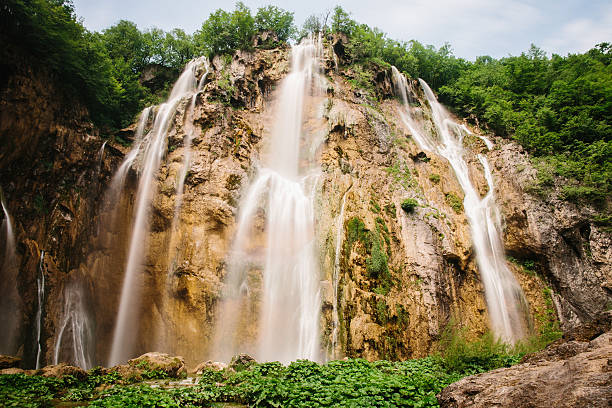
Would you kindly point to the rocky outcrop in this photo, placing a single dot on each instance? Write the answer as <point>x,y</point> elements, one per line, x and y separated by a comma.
<point>208,366</point>
<point>62,370</point>
<point>569,249</point>
<point>9,362</point>
<point>566,374</point>
<point>53,173</point>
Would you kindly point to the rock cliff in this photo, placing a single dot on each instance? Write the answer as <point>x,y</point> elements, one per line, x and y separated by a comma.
<point>401,273</point>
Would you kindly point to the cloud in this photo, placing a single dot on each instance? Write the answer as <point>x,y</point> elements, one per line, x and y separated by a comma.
<point>472,27</point>
<point>581,34</point>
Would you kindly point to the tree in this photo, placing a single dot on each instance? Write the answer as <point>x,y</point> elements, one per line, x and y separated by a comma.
<point>224,32</point>
<point>342,22</point>
<point>271,18</point>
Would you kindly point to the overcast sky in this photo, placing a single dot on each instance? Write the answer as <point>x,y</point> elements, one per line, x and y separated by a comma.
<point>472,27</point>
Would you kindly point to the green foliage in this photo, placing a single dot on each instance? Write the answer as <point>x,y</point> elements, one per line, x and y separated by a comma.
<point>455,202</point>
<point>313,25</point>
<point>527,265</point>
<point>390,210</point>
<point>24,391</point>
<point>342,22</point>
<point>409,204</point>
<point>382,311</point>
<point>400,174</point>
<point>100,69</point>
<point>224,32</point>
<point>363,79</point>
<point>472,357</point>
<point>549,323</point>
<point>272,18</point>
<point>434,178</point>
<point>373,244</point>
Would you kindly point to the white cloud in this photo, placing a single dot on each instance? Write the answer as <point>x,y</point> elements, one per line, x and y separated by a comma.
<point>472,27</point>
<point>581,34</point>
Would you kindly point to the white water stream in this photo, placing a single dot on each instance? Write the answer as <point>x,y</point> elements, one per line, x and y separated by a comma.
<point>283,193</point>
<point>505,299</point>
<point>336,276</point>
<point>40,282</point>
<point>9,297</point>
<point>75,330</point>
<point>152,148</point>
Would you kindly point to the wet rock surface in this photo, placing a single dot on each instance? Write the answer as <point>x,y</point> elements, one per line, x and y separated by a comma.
<point>574,373</point>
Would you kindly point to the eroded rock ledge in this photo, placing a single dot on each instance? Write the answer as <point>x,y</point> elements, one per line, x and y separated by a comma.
<point>572,372</point>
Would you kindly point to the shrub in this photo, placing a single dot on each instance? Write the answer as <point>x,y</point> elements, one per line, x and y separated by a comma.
<point>409,204</point>
<point>455,202</point>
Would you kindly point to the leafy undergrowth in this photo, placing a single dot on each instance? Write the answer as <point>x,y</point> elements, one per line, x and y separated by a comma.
<point>350,383</point>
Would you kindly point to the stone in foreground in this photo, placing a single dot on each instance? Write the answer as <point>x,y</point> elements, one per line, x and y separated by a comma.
<point>583,380</point>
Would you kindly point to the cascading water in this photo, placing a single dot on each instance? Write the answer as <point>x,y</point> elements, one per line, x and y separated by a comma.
<point>335,277</point>
<point>101,157</point>
<point>190,132</point>
<point>290,299</point>
<point>505,299</point>
<point>40,282</point>
<point>75,336</point>
<point>152,148</point>
<point>9,296</point>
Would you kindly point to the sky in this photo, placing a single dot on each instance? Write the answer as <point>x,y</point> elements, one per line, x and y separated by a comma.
<point>472,27</point>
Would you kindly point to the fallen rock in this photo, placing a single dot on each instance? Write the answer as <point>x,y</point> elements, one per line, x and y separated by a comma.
<point>581,380</point>
<point>12,370</point>
<point>173,366</point>
<point>241,362</point>
<point>574,341</point>
<point>209,365</point>
<point>9,361</point>
<point>62,370</point>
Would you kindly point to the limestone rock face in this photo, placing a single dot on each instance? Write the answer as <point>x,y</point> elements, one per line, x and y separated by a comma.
<point>400,275</point>
<point>582,378</point>
<point>571,251</point>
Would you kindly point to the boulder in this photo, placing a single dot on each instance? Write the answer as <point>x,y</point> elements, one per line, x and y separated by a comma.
<point>209,365</point>
<point>62,370</point>
<point>577,375</point>
<point>9,362</point>
<point>173,366</point>
<point>12,370</point>
<point>241,362</point>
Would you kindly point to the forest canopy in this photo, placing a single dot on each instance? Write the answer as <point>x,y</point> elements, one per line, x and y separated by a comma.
<point>558,108</point>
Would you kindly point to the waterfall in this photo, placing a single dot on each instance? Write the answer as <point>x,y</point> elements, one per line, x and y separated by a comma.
<point>503,294</point>
<point>336,276</point>
<point>283,192</point>
<point>151,148</point>
<point>100,157</point>
<point>190,132</point>
<point>9,296</point>
<point>75,330</point>
<point>40,282</point>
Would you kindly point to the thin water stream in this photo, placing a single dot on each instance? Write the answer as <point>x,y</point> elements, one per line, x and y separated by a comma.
<point>10,305</point>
